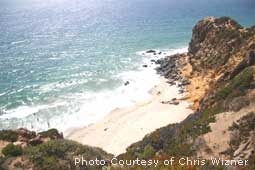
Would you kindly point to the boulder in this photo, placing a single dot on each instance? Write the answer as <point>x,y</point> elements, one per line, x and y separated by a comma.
<point>126,83</point>
<point>174,102</point>
<point>151,51</point>
<point>181,91</point>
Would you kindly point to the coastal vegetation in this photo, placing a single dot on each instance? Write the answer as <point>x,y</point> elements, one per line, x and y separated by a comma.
<point>45,156</point>
<point>237,86</point>
<point>12,150</point>
<point>51,133</point>
<point>50,152</point>
<point>8,135</point>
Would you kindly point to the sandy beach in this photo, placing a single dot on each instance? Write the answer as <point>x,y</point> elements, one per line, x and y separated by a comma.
<point>124,126</point>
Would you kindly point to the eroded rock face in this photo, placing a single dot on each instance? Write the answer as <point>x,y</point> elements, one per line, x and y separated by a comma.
<point>219,50</point>
<point>219,74</point>
<point>199,33</point>
<point>215,40</point>
<point>206,30</point>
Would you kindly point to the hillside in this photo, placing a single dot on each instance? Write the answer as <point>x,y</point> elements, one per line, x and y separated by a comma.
<point>23,149</point>
<point>218,75</point>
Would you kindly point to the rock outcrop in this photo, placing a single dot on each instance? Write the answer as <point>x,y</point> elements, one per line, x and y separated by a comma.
<point>218,73</point>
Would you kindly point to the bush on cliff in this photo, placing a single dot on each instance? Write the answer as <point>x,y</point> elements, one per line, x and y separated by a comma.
<point>148,152</point>
<point>51,133</point>
<point>237,86</point>
<point>8,135</point>
<point>59,154</point>
<point>12,150</point>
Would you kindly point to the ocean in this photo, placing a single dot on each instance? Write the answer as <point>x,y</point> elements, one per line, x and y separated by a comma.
<point>63,64</point>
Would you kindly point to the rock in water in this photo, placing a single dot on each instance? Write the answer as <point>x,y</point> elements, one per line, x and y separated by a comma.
<point>151,51</point>
<point>126,83</point>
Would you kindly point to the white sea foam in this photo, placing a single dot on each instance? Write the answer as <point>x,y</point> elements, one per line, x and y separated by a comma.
<point>164,52</point>
<point>18,42</point>
<point>21,112</point>
<point>25,111</point>
<point>61,85</point>
<point>1,94</point>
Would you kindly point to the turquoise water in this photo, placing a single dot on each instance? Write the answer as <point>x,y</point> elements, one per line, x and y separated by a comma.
<point>63,63</point>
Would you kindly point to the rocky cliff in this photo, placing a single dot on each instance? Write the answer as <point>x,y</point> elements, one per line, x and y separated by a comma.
<point>218,73</point>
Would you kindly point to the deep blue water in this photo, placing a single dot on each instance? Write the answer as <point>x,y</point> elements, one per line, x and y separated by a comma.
<point>63,63</point>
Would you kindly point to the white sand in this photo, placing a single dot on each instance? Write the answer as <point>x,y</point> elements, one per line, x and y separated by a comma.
<point>122,127</point>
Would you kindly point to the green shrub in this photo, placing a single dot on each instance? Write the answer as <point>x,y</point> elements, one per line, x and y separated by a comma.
<point>148,152</point>
<point>243,79</point>
<point>223,93</point>
<point>236,86</point>
<point>178,146</point>
<point>8,135</point>
<point>51,133</point>
<point>12,150</point>
<point>59,154</point>
<point>51,163</point>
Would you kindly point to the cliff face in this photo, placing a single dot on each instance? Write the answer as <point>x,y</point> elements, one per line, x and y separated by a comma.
<point>219,50</point>
<point>220,69</point>
<point>223,55</point>
<point>216,41</point>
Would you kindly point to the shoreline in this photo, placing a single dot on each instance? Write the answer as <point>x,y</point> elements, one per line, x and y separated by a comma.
<point>124,126</point>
